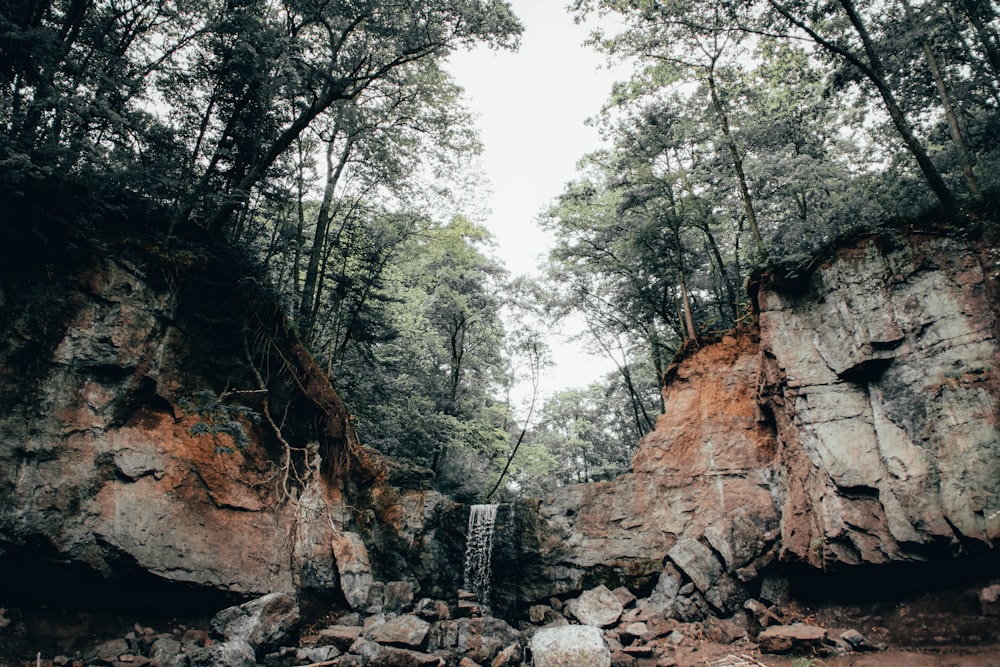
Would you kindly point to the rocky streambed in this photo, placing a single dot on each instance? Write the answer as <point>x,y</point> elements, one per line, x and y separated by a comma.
<point>599,628</point>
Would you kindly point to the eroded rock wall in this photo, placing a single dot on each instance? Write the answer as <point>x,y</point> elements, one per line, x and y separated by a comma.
<point>858,425</point>
<point>100,468</point>
<point>881,372</point>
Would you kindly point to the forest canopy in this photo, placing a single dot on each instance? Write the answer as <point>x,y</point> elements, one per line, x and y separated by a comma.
<point>326,143</point>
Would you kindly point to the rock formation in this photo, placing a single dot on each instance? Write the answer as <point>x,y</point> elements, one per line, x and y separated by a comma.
<point>854,424</point>
<point>857,424</point>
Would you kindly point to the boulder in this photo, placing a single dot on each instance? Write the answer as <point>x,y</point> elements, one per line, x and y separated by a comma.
<point>798,639</point>
<point>775,589</point>
<point>354,568</point>
<point>479,639</point>
<point>233,653</point>
<point>263,624</point>
<point>597,606</point>
<point>570,646</point>
<point>407,631</point>
<point>314,654</point>
<point>696,561</point>
<point>397,596</point>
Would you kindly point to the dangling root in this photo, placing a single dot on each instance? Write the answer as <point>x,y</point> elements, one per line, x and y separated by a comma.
<point>339,447</point>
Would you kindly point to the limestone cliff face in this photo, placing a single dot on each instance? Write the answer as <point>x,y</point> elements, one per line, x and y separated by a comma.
<point>857,425</point>
<point>881,373</point>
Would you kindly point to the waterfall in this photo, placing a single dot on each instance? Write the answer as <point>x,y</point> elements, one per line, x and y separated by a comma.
<point>479,551</point>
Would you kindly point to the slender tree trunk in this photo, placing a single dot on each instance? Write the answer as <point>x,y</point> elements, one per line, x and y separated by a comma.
<point>877,77</point>
<point>973,10</point>
<point>311,284</point>
<point>949,108</point>
<point>734,153</point>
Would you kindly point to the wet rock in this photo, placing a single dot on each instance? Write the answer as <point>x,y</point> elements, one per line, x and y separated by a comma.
<point>479,639</point>
<point>264,623</point>
<point>799,639</point>
<point>597,606</point>
<point>354,568</point>
<point>570,646</point>
<point>408,631</point>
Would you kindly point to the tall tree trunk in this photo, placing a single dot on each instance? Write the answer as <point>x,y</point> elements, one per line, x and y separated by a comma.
<point>311,285</point>
<point>973,10</point>
<point>873,70</point>
<point>949,108</point>
<point>734,153</point>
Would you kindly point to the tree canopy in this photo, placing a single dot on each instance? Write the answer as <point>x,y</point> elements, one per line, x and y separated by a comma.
<point>325,144</point>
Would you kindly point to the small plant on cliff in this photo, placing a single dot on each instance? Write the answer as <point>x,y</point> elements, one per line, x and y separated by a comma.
<point>217,418</point>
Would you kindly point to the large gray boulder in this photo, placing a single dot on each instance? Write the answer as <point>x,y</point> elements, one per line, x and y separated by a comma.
<point>597,606</point>
<point>570,646</point>
<point>263,624</point>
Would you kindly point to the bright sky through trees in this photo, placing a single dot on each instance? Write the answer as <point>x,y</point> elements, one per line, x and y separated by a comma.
<point>531,109</point>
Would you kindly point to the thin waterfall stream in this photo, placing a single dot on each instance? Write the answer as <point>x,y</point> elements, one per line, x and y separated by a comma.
<point>479,552</point>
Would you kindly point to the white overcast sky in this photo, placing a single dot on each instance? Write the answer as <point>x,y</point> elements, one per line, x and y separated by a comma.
<point>531,108</point>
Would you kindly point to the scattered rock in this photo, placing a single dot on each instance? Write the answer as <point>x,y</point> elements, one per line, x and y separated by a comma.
<point>570,646</point>
<point>263,623</point>
<point>341,636</point>
<point>233,653</point>
<point>316,654</point>
<point>510,655</point>
<point>407,631</point>
<point>625,596</point>
<point>479,639</point>
<point>436,610</point>
<point>857,641</point>
<point>597,606</point>
<point>989,600</point>
<point>799,639</point>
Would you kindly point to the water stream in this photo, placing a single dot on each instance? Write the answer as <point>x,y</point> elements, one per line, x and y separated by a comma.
<point>479,552</point>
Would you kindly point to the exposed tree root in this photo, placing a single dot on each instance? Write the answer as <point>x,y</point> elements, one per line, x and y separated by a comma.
<point>339,447</point>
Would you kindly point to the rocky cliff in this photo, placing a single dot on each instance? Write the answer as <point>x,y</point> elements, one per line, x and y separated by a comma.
<point>132,470</point>
<point>855,425</point>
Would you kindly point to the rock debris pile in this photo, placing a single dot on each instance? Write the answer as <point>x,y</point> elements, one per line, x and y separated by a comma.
<point>600,628</point>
